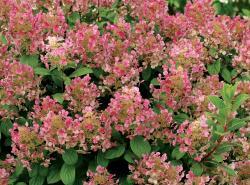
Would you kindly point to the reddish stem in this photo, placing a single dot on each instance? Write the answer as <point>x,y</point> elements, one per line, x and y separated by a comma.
<point>214,149</point>
<point>234,78</point>
<point>216,146</point>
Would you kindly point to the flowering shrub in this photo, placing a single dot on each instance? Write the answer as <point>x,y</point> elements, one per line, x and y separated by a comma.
<point>108,92</point>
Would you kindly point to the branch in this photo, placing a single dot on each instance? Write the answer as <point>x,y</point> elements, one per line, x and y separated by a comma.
<point>234,78</point>
<point>214,149</point>
<point>216,146</point>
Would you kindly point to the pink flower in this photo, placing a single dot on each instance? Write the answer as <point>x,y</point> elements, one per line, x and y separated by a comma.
<point>153,169</point>
<point>175,86</point>
<point>196,180</point>
<point>100,177</point>
<point>131,115</point>
<point>81,94</point>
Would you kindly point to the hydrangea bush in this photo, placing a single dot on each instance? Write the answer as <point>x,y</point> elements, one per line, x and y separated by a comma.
<point>129,92</point>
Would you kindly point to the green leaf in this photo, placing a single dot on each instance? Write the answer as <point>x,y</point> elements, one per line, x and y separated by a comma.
<point>218,158</point>
<point>98,72</point>
<point>246,12</point>
<point>239,100</point>
<point>19,170</point>
<point>126,181</point>
<point>177,154</point>
<point>72,18</point>
<point>115,152</point>
<point>54,175</point>
<point>217,102</point>
<point>21,121</point>
<point>228,92</point>
<point>236,124</point>
<point>197,169</point>
<point>225,147</point>
<point>37,180</point>
<point>41,71</point>
<point>213,52</point>
<point>70,157</point>
<point>101,160</point>
<point>214,69</point>
<point>43,171</point>
<point>129,156</point>
<point>67,174</point>
<point>226,75</point>
<point>81,71</point>
<point>34,170</point>
<point>66,80</point>
<point>140,146</point>
<point>14,177</point>
<point>57,77</point>
<point>31,60</point>
<point>3,39</point>
<point>58,97</point>
<point>223,114</point>
<point>21,183</point>
<point>92,165</point>
<point>146,73</point>
<point>229,170</point>
<point>155,82</point>
<point>5,127</point>
<point>180,118</point>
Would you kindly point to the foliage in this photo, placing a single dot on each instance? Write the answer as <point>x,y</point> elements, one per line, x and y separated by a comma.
<point>126,92</point>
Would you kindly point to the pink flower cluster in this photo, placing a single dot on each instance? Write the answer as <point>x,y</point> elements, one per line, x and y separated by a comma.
<point>208,86</point>
<point>27,145</point>
<point>57,132</point>
<point>4,175</point>
<point>153,169</point>
<point>177,50</point>
<point>175,87</point>
<point>130,113</point>
<point>192,179</point>
<point>149,45</point>
<point>194,137</point>
<point>13,90</point>
<point>82,94</point>
<point>190,54</point>
<point>83,5</point>
<point>43,106</point>
<point>151,10</point>
<point>100,177</point>
<point>243,60</point>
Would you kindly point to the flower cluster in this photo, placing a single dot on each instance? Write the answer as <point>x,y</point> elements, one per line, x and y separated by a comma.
<point>4,176</point>
<point>192,179</point>
<point>153,169</point>
<point>85,40</point>
<point>57,51</point>
<point>125,82</point>
<point>59,131</point>
<point>130,113</point>
<point>243,59</point>
<point>43,107</point>
<point>190,54</point>
<point>149,9</point>
<point>100,177</point>
<point>13,90</point>
<point>82,94</point>
<point>27,145</point>
<point>175,87</point>
<point>148,45</point>
<point>7,168</point>
<point>194,137</point>
<point>204,88</point>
